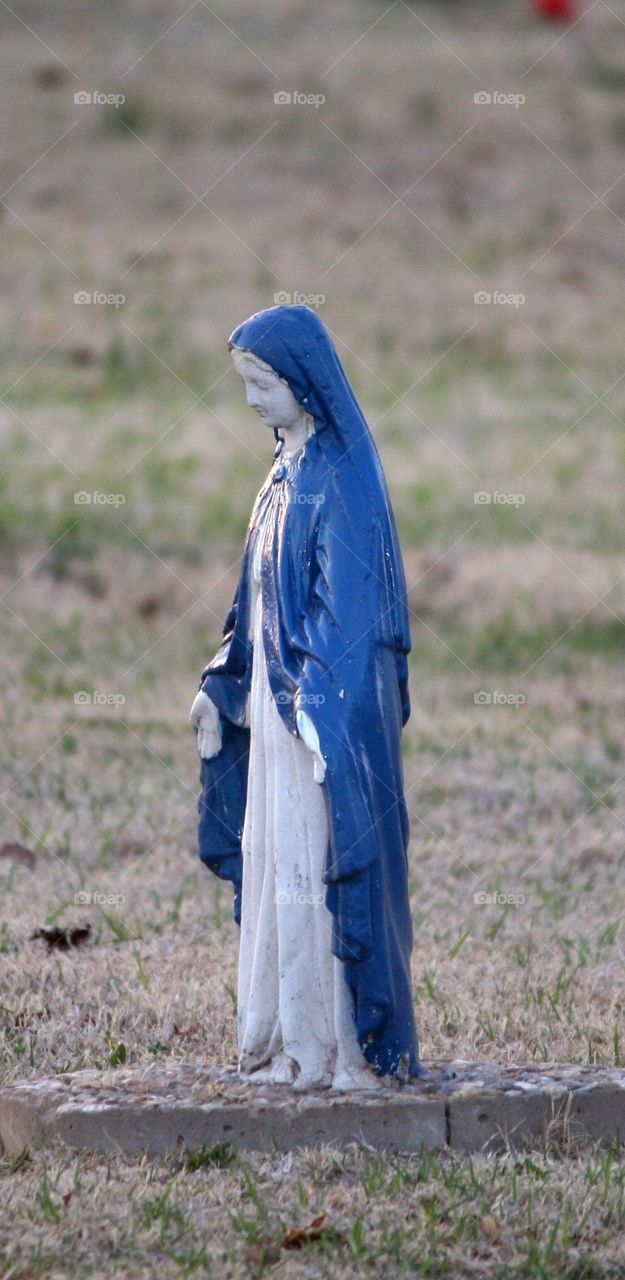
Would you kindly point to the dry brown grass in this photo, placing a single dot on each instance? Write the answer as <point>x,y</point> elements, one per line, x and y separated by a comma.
<point>522,599</point>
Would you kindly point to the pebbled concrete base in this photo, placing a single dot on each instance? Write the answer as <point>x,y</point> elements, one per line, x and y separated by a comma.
<point>464,1106</point>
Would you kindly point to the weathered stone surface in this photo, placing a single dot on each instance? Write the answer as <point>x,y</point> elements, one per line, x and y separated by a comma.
<point>465,1106</point>
<point>159,1128</point>
<point>487,1121</point>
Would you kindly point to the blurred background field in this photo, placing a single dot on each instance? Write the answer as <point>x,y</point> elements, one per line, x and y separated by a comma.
<point>390,204</point>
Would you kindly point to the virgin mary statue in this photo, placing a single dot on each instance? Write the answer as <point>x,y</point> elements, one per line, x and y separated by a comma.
<point>299,718</point>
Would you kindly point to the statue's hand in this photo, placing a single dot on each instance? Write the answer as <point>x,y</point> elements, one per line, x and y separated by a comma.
<point>308,733</point>
<point>204,718</point>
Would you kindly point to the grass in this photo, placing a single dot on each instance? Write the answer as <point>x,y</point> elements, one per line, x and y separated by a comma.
<point>128,599</point>
<point>214,1215</point>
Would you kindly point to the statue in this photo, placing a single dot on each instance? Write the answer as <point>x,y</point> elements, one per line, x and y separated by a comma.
<point>298,720</point>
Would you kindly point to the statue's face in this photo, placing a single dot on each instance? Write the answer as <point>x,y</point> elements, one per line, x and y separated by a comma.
<point>272,398</point>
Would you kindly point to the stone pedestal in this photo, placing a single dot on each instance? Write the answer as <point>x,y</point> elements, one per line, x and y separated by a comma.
<point>464,1106</point>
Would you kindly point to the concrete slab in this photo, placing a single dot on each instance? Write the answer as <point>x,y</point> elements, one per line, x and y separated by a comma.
<point>463,1106</point>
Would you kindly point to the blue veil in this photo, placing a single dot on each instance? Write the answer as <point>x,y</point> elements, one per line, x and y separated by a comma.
<point>299,348</point>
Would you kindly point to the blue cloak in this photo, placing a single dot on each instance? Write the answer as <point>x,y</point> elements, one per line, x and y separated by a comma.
<point>336,636</point>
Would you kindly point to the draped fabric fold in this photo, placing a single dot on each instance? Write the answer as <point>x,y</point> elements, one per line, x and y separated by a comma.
<point>336,637</point>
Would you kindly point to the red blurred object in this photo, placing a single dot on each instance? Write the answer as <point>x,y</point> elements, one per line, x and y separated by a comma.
<point>557,10</point>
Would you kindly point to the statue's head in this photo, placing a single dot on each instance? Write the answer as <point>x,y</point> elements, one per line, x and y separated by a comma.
<point>267,392</point>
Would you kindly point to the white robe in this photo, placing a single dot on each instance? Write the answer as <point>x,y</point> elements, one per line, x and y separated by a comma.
<point>294,1005</point>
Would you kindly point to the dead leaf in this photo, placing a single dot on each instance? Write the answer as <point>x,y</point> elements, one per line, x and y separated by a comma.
<point>299,1236</point>
<point>18,853</point>
<point>185,1033</point>
<point>63,939</point>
